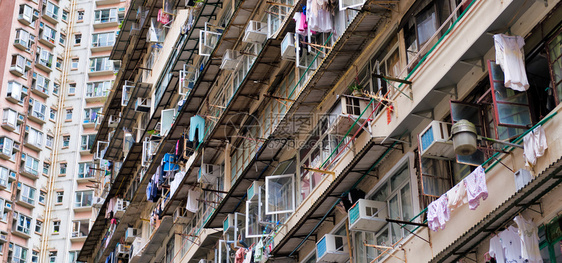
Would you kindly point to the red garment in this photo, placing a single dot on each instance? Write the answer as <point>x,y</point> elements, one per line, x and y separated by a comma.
<point>240,255</point>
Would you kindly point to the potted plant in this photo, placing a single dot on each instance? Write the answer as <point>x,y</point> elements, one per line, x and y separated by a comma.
<point>356,90</point>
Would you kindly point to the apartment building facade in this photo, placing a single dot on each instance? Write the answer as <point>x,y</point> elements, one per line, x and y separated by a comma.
<point>294,131</point>
<point>55,78</point>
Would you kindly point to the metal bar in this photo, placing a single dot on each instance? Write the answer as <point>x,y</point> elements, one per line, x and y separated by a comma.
<point>392,79</point>
<point>405,222</point>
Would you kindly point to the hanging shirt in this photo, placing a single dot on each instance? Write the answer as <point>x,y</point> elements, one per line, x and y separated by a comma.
<point>496,249</point>
<point>318,19</point>
<point>239,257</point>
<point>511,59</point>
<point>476,188</point>
<point>300,20</point>
<point>528,233</point>
<point>511,245</point>
<point>540,141</point>
<point>534,146</point>
<point>438,213</point>
<point>456,196</point>
<point>192,196</point>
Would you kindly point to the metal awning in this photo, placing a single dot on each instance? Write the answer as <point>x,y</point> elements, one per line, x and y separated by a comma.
<point>522,199</point>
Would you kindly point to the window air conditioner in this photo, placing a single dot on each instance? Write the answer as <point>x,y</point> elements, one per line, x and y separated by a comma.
<point>142,105</point>
<point>98,201</point>
<point>332,248</point>
<point>346,110</point>
<point>288,47</point>
<point>256,32</point>
<point>230,60</point>
<point>122,251</point>
<point>228,223</point>
<point>434,141</point>
<point>131,234</point>
<point>254,190</point>
<point>367,215</point>
<point>120,207</point>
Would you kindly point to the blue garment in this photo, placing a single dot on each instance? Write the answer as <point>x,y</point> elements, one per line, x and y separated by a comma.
<point>169,163</point>
<point>197,128</point>
<point>149,191</point>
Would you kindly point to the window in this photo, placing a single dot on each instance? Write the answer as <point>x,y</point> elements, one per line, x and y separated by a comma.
<point>65,141</point>
<point>20,66</point>
<point>3,210</point>
<point>77,39</point>
<point>22,223</point>
<point>44,58</point>
<point>56,227</point>
<point>98,89</point>
<point>40,83</point>
<point>26,193</point>
<point>62,39</point>
<point>87,142</point>
<point>42,197</point>
<point>52,256</point>
<point>51,10</point>
<point>37,110</point>
<point>24,40</point>
<point>27,15</point>
<point>52,114</point>
<point>105,16</point>
<point>101,64</point>
<point>16,92</point>
<point>71,88</point>
<point>49,141</point>
<point>38,226</point>
<point>33,137</point>
<point>85,170</point>
<point>19,254</point>
<point>34,256</point>
<point>8,148</point>
<point>103,39</point>
<point>83,199</point>
<point>58,64</point>
<point>68,115</point>
<point>74,65</point>
<point>280,194</point>
<point>91,114</point>
<point>59,197</point>
<point>64,16</point>
<point>56,88</point>
<point>80,15</point>
<point>46,167</point>
<point>6,178</point>
<point>398,189</point>
<point>62,168</point>
<point>73,256</point>
<point>31,165</point>
<point>48,34</point>
<point>80,228</point>
<point>10,118</point>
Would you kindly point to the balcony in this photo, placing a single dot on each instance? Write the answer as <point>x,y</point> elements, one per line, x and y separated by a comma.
<point>47,40</point>
<point>25,201</point>
<point>36,116</point>
<point>45,64</point>
<point>22,232</point>
<point>36,146</point>
<point>105,22</point>
<point>107,2</point>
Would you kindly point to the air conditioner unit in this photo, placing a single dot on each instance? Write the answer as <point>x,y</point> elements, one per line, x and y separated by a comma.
<point>179,216</point>
<point>8,206</point>
<point>346,111</point>
<point>228,223</point>
<point>434,141</point>
<point>288,48</point>
<point>131,234</point>
<point>120,207</point>
<point>122,251</point>
<point>98,201</point>
<point>332,248</point>
<point>230,60</point>
<point>367,215</point>
<point>256,32</point>
<point>142,105</point>
<point>209,172</point>
<point>253,190</point>
<point>3,237</point>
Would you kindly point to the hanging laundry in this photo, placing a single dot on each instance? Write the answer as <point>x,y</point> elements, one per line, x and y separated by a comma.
<point>300,20</point>
<point>197,129</point>
<point>511,245</point>
<point>319,18</point>
<point>476,188</point>
<point>162,17</point>
<point>192,202</point>
<point>496,249</point>
<point>528,233</point>
<point>510,57</point>
<point>438,213</point>
<point>110,210</point>
<point>169,162</point>
<point>239,257</point>
<point>258,252</point>
<point>534,145</point>
<point>456,196</point>
<point>248,256</point>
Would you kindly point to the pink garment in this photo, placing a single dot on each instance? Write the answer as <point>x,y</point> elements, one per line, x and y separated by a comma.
<point>438,213</point>
<point>239,258</point>
<point>110,207</point>
<point>300,20</point>
<point>163,17</point>
<point>456,196</point>
<point>476,188</point>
